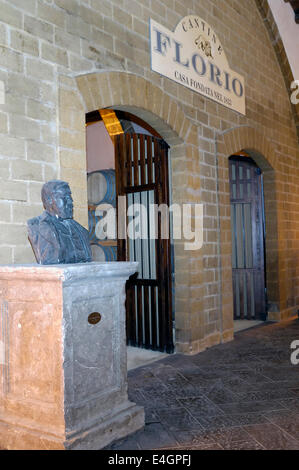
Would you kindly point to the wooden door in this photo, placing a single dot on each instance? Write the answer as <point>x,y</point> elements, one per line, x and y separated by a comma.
<point>142,176</point>
<point>247,226</point>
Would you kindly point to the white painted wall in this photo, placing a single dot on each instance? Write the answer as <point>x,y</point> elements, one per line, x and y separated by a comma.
<point>99,148</point>
<point>284,16</point>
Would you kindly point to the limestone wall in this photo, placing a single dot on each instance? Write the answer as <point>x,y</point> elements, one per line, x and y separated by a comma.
<point>62,58</point>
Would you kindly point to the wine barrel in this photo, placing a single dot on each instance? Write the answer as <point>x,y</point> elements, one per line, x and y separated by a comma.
<point>101,187</point>
<point>103,253</point>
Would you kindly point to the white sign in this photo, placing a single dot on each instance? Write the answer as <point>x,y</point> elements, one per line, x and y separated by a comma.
<point>193,56</point>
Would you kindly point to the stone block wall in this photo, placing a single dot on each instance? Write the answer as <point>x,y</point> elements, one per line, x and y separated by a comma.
<point>62,58</point>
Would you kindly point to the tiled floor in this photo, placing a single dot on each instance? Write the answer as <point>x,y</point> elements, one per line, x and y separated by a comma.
<point>239,395</point>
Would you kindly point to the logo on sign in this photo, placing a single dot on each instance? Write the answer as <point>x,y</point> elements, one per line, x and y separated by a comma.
<point>193,56</point>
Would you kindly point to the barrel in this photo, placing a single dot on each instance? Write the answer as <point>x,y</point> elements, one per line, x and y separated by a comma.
<point>101,187</point>
<point>103,253</point>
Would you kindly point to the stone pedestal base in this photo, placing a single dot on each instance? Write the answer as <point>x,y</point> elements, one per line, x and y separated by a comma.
<point>63,371</point>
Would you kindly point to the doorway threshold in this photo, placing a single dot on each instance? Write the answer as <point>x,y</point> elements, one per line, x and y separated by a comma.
<point>240,325</point>
<point>137,357</point>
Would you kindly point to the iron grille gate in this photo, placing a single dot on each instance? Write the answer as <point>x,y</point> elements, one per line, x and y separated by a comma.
<point>142,176</point>
<point>247,224</point>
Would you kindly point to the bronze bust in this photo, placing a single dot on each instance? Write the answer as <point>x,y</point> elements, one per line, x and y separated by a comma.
<point>56,238</point>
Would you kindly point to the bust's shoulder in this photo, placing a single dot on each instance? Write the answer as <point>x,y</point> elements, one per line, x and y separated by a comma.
<point>35,221</point>
<point>80,227</point>
<point>40,221</point>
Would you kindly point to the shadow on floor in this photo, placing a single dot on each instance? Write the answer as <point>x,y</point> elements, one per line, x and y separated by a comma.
<point>137,357</point>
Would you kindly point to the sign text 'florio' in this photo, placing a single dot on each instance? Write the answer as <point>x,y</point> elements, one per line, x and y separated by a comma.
<point>193,56</point>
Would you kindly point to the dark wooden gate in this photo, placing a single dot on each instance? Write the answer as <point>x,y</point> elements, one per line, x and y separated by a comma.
<point>247,223</point>
<point>142,176</point>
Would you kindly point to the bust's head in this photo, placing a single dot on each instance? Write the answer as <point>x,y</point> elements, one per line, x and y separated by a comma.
<point>57,199</point>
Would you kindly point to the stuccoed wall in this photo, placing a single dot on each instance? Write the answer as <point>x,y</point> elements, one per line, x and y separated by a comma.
<point>284,16</point>
<point>62,58</point>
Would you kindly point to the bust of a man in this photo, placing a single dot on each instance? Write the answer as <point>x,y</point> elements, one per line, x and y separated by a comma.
<point>56,238</point>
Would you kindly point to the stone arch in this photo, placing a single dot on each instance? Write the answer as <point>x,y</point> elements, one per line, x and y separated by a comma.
<point>122,90</point>
<point>254,143</point>
<point>242,137</point>
<point>149,102</point>
<point>89,92</point>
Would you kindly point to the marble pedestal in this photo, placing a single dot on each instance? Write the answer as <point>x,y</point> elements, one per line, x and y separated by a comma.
<point>63,373</point>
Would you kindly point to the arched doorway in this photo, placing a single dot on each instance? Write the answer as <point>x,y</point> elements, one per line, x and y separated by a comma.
<point>140,175</point>
<point>248,238</point>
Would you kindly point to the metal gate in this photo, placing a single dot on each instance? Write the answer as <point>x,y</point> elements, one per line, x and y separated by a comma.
<point>142,176</point>
<point>247,225</point>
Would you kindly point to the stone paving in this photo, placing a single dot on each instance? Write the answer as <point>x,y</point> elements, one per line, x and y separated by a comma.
<point>239,395</point>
